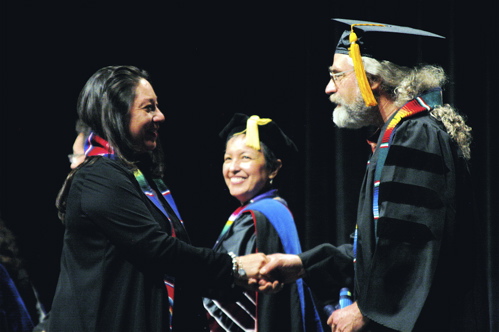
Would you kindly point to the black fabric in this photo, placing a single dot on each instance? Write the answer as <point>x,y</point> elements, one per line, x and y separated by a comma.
<point>406,157</point>
<point>381,41</point>
<point>411,262</point>
<point>251,232</point>
<point>417,271</point>
<point>270,134</point>
<point>116,250</point>
<point>280,311</point>
<point>328,269</point>
<point>403,193</point>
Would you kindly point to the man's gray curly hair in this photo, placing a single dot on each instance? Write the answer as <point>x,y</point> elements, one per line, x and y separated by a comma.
<point>404,84</point>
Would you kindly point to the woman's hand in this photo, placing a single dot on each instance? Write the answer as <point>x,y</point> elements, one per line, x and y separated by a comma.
<point>249,277</point>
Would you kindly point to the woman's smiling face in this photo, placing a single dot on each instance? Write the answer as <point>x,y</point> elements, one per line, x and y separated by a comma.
<point>244,169</point>
<point>145,117</point>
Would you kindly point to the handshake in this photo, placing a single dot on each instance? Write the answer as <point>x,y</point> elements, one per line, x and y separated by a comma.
<point>267,273</point>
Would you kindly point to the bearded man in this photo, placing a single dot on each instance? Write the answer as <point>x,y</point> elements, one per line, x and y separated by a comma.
<point>413,256</point>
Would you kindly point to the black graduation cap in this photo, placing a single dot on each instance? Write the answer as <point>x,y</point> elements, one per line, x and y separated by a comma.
<point>398,44</point>
<point>381,41</point>
<point>259,130</point>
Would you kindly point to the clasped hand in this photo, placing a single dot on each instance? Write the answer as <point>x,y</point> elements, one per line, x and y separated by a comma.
<point>268,273</point>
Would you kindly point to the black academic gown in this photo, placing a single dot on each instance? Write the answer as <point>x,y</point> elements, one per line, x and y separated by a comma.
<point>266,226</point>
<point>416,270</point>
<point>117,248</point>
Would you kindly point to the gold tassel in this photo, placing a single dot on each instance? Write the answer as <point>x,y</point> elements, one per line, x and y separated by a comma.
<point>252,134</point>
<point>360,72</point>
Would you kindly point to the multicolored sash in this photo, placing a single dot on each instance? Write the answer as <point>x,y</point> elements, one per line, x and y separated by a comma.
<point>419,104</point>
<point>425,102</point>
<point>97,146</point>
<point>153,196</point>
<point>237,315</point>
<point>238,211</point>
<point>242,314</point>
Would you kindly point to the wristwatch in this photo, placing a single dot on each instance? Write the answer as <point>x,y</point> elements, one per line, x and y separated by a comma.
<point>237,269</point>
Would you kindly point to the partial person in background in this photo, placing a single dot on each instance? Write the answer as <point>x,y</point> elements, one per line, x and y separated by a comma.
<point>75,159</point>
<point>20,309</point>
<point>126,263</point>
<point>78,155</point>
<point>415,252</point>
<point>254,154</point>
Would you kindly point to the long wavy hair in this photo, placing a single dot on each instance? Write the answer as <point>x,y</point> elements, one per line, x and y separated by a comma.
<point>104,105</point>
<point>403,84</point>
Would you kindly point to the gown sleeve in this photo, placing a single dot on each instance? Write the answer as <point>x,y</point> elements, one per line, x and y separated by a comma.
<point>416,206</point>
<point>112,201</point>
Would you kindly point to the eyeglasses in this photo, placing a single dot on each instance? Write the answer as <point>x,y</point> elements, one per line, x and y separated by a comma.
<point>73,156</point>
<point>337,77</point>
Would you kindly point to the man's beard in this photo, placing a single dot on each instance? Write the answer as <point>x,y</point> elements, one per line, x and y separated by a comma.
<point>354,115</point>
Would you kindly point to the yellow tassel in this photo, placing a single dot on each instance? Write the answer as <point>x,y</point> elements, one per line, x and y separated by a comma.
<point>360,73</point>
<point>252,134</point>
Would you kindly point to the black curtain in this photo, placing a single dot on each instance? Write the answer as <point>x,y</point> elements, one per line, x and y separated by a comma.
<point>207,61</point>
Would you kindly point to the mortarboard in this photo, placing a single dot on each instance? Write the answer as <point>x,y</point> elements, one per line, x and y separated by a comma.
<point>397,44</point>
<point>259,129</point>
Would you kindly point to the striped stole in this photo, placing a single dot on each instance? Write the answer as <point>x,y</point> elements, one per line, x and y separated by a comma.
<point>97,146</point>
<point>153,196</point>
<point>238,315</point>
<point>419,104</point>
<point>423,103</point>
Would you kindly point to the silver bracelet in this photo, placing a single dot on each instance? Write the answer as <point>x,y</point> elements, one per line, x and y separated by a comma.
<point>235,266</point>
<point>237,270</point>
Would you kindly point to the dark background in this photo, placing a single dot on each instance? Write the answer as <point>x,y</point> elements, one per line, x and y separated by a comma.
<point>209,59</point>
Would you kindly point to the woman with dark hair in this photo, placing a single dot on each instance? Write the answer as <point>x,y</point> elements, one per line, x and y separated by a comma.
<point>254,153</point>
<point>126,263</point>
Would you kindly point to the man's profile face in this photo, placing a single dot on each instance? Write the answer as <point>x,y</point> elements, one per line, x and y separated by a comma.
<point>343,90</point>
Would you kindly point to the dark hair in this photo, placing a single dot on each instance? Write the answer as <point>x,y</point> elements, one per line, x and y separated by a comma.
<point>103,105</point>
<point>271,161</point>
<point>105,101</point>
<point>82,128</point>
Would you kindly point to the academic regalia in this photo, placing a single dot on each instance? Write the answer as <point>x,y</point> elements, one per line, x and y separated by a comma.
<point>411,254</point>
<point>264,225</point>
<point>119,246</point>
<point>416,249</point>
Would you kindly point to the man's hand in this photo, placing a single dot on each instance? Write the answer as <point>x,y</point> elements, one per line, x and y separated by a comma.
<point>283,267</point>
<point>348,319</point>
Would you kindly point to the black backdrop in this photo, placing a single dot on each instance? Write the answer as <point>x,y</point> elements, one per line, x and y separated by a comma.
<point>209,59</point>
